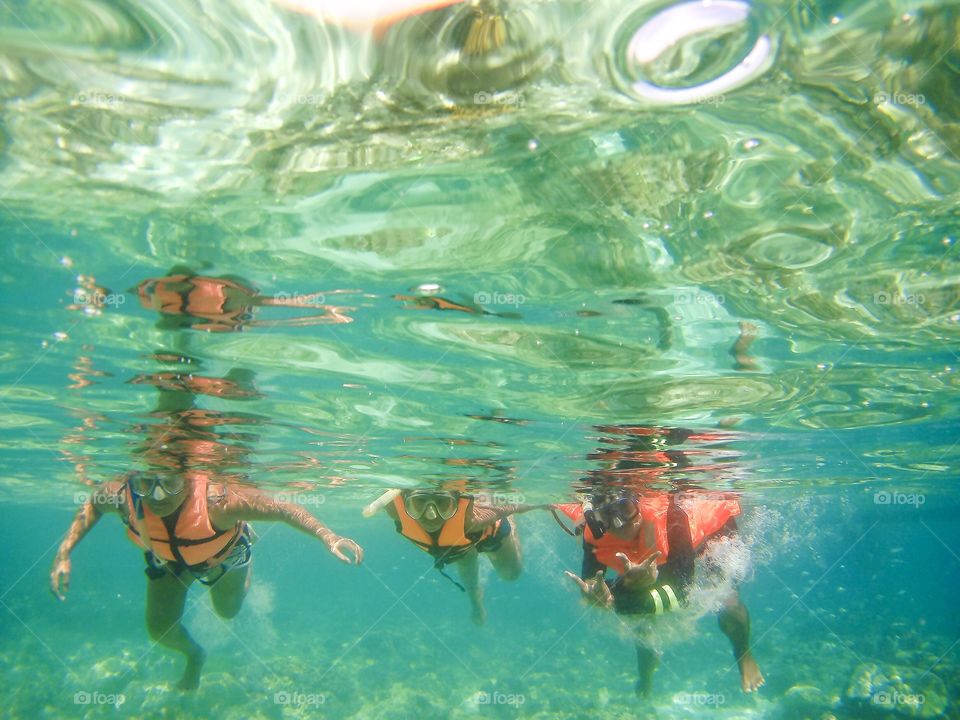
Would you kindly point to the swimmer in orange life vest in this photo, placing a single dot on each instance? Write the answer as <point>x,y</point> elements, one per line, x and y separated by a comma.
<point>191,530</point>
<point>652,542</point>
<point>454,528</point>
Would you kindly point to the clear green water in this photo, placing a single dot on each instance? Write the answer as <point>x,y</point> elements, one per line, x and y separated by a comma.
<point>605,226</point>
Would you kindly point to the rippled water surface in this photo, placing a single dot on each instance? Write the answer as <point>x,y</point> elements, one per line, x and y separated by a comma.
<point>490,246</point>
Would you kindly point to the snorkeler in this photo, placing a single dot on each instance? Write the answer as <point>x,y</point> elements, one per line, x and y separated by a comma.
<point>191,529</point>
<point>455,528</point>
<point>652,542</point>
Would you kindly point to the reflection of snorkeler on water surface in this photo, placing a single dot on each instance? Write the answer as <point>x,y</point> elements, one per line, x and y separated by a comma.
<point>741,348</point>
<point>482,29</point>
<point>653,539</point>
<point>643,455</point>
<point>435,302</point>
<point>191,518</point>
<point>237,384</point>
<point>190,436</point>
<point>454,527</point>
<point>223,304</point>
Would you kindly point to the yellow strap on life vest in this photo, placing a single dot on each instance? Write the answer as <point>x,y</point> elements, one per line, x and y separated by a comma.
<point>658,603</point>
<point>674,603</point>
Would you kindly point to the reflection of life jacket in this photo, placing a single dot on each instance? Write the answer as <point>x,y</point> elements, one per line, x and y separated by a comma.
<point>196,384</point>
<point>199,297</point>
<point>186,535</point>
<point>450,541</point>
<point>705,517</point>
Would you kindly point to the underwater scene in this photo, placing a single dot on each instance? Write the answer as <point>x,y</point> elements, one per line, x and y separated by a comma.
<point>480,359</point>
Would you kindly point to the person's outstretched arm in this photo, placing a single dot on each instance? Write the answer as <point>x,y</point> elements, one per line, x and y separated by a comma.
<point>104,498</point>
<point>244,503</point>
<point>484,515</point>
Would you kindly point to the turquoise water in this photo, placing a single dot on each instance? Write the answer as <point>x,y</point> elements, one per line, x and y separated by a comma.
<point>517,232</point>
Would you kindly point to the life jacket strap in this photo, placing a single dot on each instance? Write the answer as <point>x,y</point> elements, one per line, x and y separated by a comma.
<point>439,566</point>
<point>657,601</point>
<point>663,599</point>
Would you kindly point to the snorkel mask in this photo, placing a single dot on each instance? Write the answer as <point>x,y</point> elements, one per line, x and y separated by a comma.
<point>156,487</point>
<point>612,514</point>
<point>443,504</point>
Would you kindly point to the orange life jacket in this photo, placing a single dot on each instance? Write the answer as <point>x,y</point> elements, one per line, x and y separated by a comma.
<point>451,540</point>
<point>706,516</point>
<point>186,535</point>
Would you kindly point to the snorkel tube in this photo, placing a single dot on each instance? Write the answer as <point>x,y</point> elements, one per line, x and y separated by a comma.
<point>380,503</point>
<point>589,515</point>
